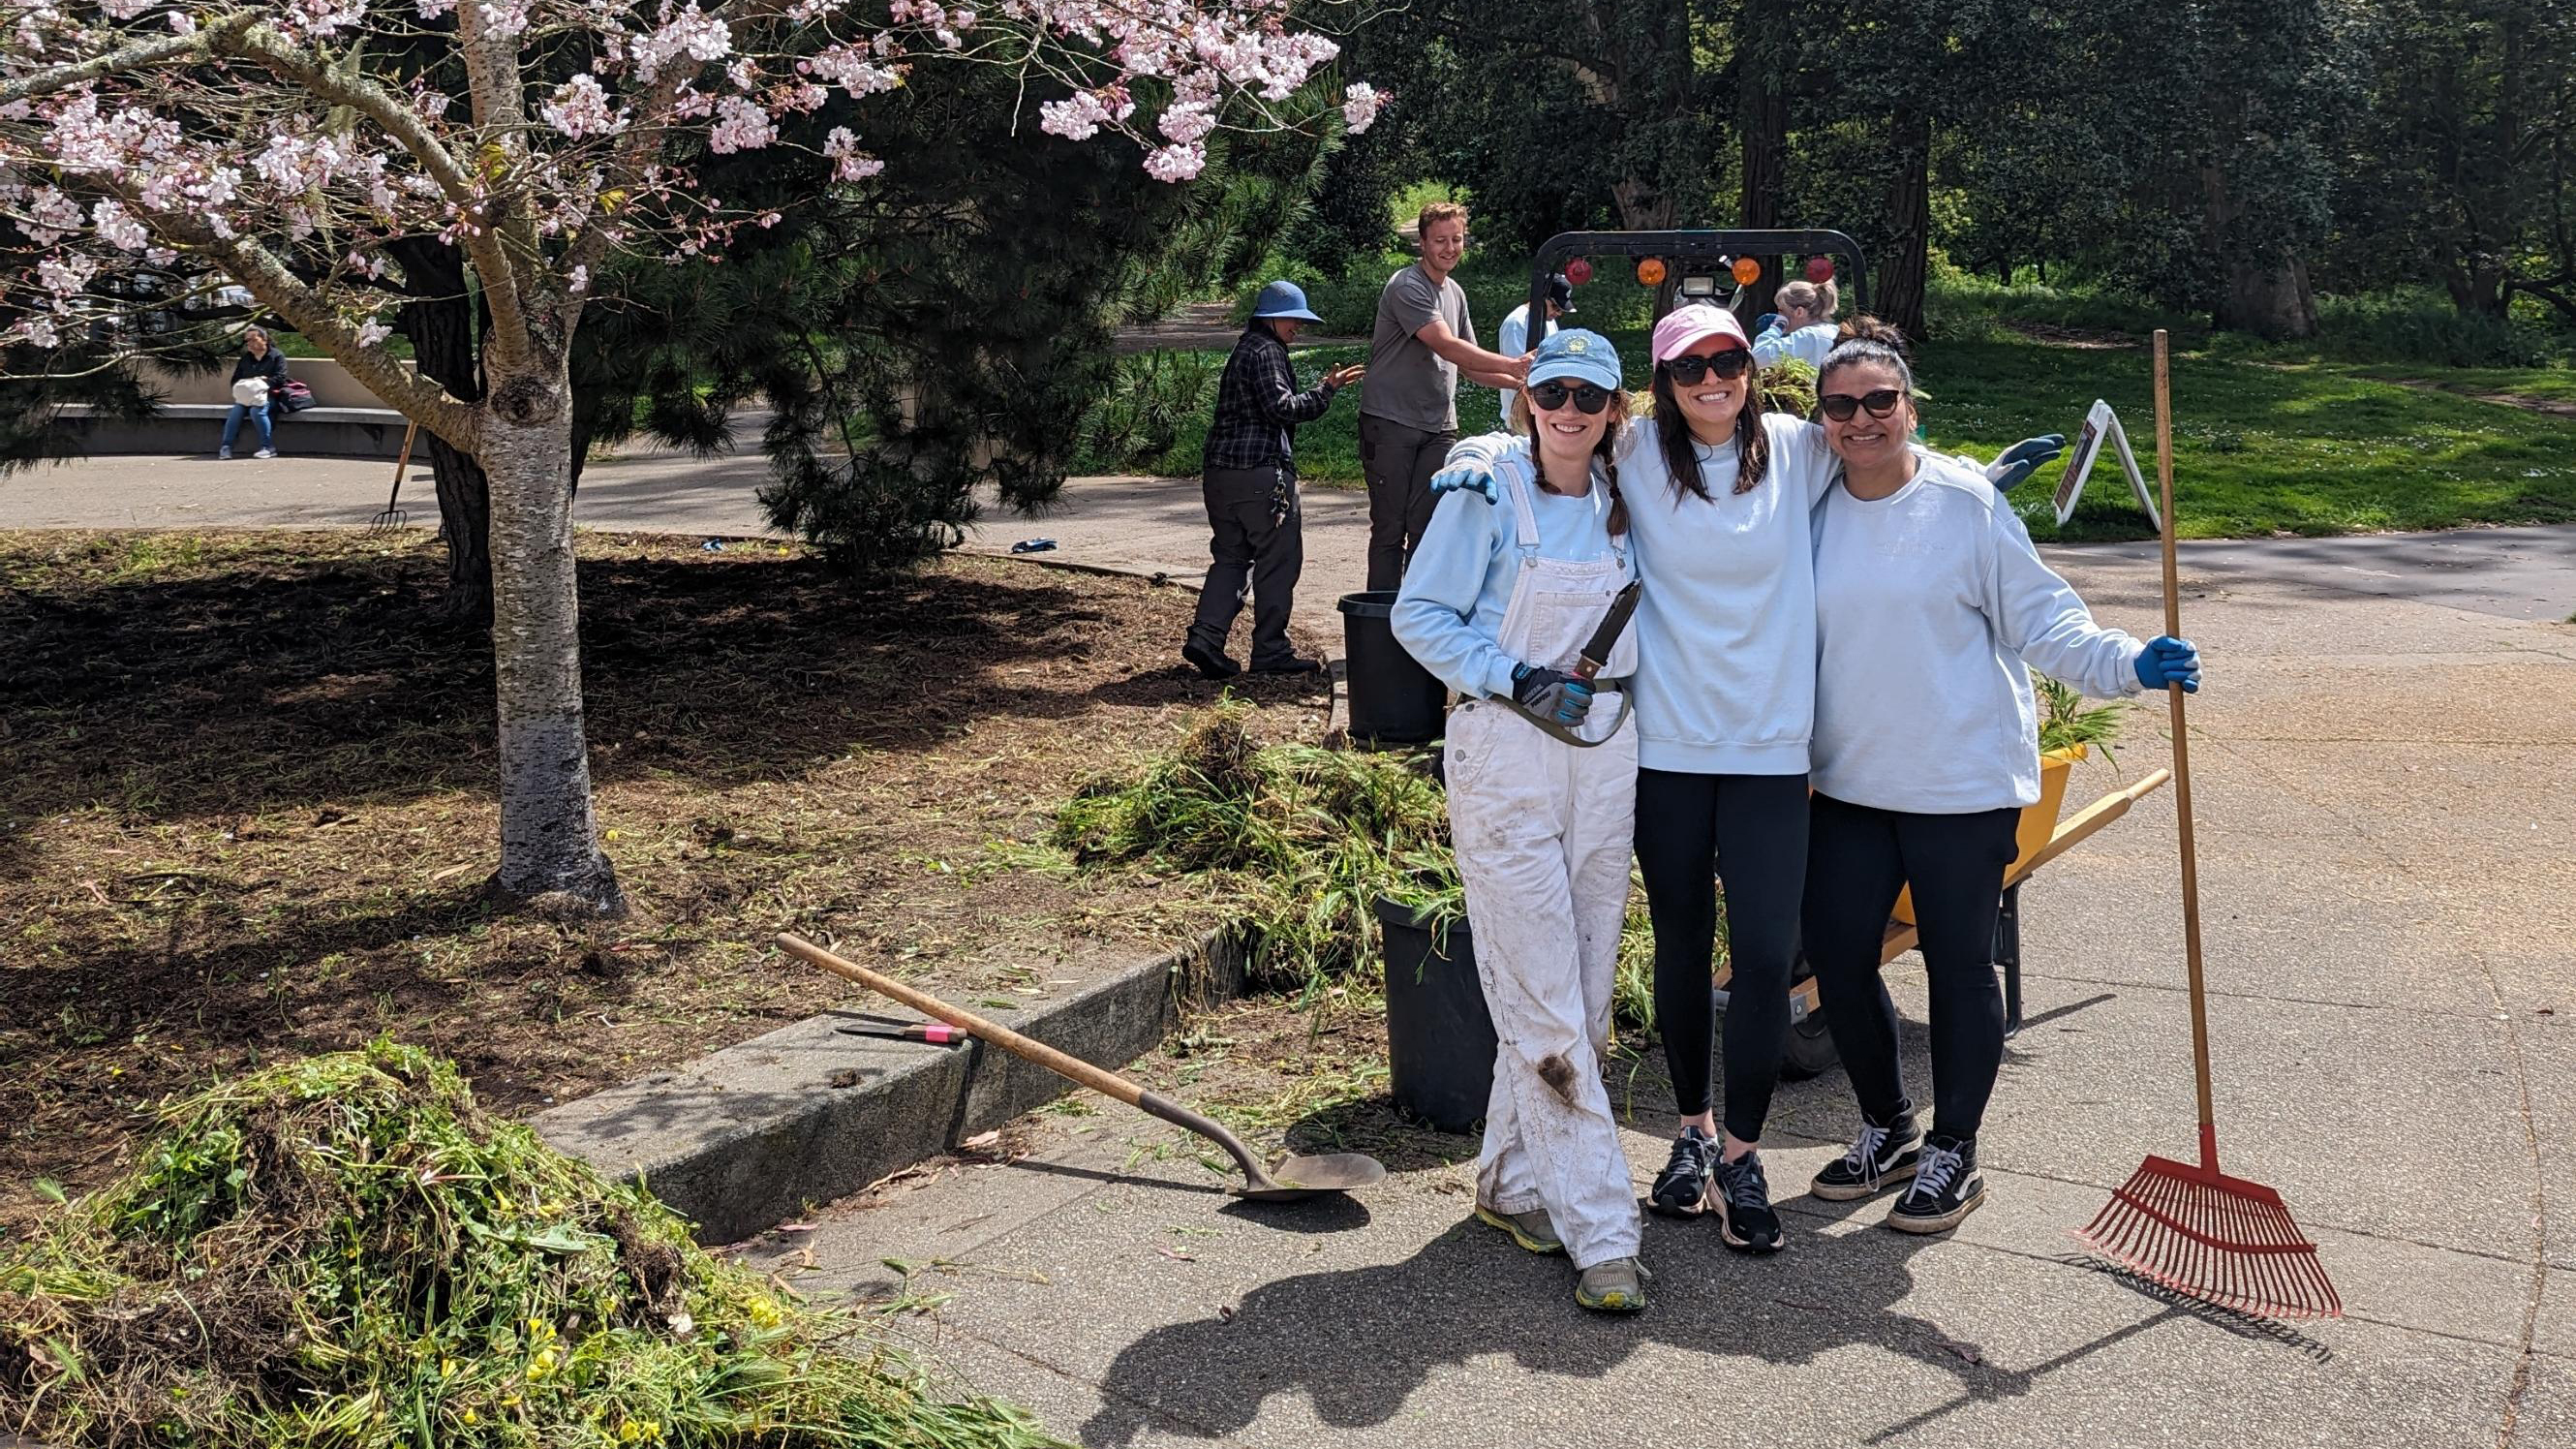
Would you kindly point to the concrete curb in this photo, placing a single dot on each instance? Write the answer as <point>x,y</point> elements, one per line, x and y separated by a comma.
<point>745,1138</point>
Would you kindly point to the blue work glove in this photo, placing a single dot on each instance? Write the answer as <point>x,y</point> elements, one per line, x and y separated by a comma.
<point>1471,477</point>
<point>1551,694</point>
<point>2167,660</point>
<point>1765,323</point>
<point>2022,459</point>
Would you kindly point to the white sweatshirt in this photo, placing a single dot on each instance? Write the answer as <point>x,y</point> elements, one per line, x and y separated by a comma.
<point>1928,603</point>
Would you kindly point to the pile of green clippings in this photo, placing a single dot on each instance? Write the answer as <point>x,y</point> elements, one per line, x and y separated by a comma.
<point>346,1251</point>
<point>1309,837</point>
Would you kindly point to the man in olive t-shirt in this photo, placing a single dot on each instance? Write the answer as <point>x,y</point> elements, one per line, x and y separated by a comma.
<point>1409,406</point>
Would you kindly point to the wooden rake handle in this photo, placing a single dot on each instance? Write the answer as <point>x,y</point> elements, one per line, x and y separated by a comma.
<point>2182,758</point>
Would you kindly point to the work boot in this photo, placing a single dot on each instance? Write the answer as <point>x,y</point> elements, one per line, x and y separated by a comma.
<point>1880,1157</point>
<point>1618,1286</point>
<point>1681,1189</point>
<point>1743,1196</point>
<point>1211,662</point>
<point>1531,1229</point>
<point>1946,1188</point>
<point>1286,664</point>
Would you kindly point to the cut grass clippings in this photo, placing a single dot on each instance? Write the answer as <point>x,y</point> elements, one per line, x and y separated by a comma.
<point>347,1251</point>
<point>246,809</point>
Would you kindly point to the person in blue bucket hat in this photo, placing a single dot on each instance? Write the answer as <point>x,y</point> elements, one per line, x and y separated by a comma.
<point>1249,478</point>
<point>1501,601</point>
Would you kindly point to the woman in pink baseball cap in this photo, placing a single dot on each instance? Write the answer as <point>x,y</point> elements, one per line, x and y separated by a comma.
<point>1719,491</point>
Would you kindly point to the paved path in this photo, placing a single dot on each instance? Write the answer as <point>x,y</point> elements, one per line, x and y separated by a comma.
<point>2388,843</point>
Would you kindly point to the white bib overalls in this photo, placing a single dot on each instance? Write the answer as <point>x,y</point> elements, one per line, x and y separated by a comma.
<point>1542,830</point>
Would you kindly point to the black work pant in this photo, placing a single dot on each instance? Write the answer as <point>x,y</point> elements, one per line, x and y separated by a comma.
<point>1398,462</point>
<point>1749,831</point>
<point>1857,860</point>
<point>1247,538</point>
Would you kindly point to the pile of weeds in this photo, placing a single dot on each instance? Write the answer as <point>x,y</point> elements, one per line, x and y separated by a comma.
<point>347,1251</point>
<point>2066,721</point>
<point>1312,836</point>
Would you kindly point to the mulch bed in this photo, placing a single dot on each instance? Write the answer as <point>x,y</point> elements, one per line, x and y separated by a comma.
<point>249,808</point>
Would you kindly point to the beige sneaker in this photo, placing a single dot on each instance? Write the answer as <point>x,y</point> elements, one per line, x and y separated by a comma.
<point>1618,1286</point>
<point>1531,1230</point>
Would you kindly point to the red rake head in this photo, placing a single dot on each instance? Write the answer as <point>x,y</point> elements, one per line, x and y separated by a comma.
<point>2216,1238</point>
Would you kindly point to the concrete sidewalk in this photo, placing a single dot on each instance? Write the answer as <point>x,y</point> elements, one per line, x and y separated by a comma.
<point>2388,846</point>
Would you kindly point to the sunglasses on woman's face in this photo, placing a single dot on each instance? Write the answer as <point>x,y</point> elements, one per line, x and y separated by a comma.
<point>1690,368</point>
<point>1841,405</point>
<point>1550,395</point>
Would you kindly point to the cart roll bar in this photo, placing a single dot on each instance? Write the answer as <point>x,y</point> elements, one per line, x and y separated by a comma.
<point>1679,247</point>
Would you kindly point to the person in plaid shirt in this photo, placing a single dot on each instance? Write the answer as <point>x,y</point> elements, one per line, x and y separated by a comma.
<point>1250,481</point>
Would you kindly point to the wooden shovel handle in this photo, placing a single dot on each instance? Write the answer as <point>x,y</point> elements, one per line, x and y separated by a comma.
<point>1105,1083</point>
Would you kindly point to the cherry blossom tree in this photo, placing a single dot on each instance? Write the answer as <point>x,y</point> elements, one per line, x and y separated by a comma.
<point>292,147</point>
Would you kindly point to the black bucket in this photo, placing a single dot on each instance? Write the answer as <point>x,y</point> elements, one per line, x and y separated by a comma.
<point>1393,699</point>
<point>1439,1036</point>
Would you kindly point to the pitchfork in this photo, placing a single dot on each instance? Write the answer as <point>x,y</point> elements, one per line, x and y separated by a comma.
<point>2194,1229</point>
<point>393,517</point>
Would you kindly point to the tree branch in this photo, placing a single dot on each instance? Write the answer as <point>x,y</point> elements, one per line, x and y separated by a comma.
<point>133,57</point>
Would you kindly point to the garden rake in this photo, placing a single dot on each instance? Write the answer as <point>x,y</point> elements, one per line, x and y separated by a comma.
<point>393,517</point>
<point>2195,1230</point>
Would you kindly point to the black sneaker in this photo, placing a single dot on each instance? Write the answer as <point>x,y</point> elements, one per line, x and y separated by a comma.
<point>1210,662</point>
<point>1743,1198</point>
<point>1947,1187</point>
<point>1287,664</point>
<point>1880,1157</point>
<point>1681,1189</point>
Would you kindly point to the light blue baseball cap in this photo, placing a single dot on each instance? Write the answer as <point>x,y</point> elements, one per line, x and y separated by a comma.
<point>1283,299</point>
<point>1578,353</point>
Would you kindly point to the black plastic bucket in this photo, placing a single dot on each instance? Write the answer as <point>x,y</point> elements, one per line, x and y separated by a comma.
<point>1439,1036</point>
<point>1393,699</point>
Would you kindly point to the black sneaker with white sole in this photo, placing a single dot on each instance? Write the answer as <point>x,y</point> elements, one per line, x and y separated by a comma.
<point>1880,1157</point>
<point>1681,1189</point>
<point>1743,1197</point>
<point>1946,1188</point>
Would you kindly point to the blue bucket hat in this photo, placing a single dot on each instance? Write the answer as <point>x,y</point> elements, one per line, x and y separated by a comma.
<point>1283,299</point>
<point>1578,353</point>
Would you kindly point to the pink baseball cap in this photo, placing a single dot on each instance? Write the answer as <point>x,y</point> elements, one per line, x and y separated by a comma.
<point>1684,328</point>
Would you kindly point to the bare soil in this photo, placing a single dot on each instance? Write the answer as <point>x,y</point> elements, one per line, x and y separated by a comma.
<point>246,809</point>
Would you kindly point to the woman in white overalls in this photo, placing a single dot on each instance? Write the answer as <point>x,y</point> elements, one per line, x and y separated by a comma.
<point>1500,602</point>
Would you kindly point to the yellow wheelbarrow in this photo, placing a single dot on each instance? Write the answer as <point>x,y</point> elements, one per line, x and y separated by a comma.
<point>2044,837</point>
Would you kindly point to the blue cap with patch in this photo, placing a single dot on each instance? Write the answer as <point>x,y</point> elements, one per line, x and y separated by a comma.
<point>1580,354</point>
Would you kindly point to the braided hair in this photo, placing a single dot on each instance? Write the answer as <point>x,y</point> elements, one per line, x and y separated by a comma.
<point>1606,451</point>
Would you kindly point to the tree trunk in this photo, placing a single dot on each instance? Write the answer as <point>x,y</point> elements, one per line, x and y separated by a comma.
<point>1908,253</point>
<point>1762,103</point>
<point>2267,290</point>
<point>440,324</point>
<point>549,838</point>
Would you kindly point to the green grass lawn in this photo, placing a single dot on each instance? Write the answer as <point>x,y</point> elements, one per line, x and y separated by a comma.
<point>2260,448</point>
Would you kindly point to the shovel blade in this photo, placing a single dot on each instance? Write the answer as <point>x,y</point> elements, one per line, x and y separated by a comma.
<point>1304,1177</point>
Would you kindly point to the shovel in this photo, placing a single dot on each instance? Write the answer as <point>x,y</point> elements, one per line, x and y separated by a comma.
<point>1292,1179</point>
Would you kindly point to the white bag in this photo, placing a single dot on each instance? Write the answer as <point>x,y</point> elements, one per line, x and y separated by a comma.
<point>251,392</point>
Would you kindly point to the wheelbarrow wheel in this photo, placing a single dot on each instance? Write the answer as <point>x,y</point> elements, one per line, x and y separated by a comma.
<point>1810,1049</point>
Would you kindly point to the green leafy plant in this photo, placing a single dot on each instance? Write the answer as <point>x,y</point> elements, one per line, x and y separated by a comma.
<point>2066,721</point>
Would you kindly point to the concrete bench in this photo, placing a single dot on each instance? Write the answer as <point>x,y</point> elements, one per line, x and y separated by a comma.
<point>195,427</point>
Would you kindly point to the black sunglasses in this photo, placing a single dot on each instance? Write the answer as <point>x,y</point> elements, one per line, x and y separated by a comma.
<point>1688,370</point>
<point>1841,405</point>
<point>1551,395</point>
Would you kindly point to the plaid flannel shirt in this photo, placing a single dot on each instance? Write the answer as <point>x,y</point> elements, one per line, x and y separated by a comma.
<point>1258,405</point>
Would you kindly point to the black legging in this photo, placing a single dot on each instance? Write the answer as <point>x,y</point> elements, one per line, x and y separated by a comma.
<point>1857,859</point>
<point>1751,832</point>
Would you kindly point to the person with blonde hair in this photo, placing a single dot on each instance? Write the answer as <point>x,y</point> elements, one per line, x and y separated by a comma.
<point>1803,328</point>
<point>1423,339</point>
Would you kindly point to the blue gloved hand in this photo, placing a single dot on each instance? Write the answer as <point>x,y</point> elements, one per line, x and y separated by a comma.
<point>1472,477</point>
<point>1765,323</point>
<point>2022,459</point>
<point>2167,660</point>
<point>1551,694</point>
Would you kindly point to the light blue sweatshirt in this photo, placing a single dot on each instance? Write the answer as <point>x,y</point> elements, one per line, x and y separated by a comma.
<point>1807,344</point>
<point>1459,583</point>
<point>1726,627</point>
<point>1928,603</point>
